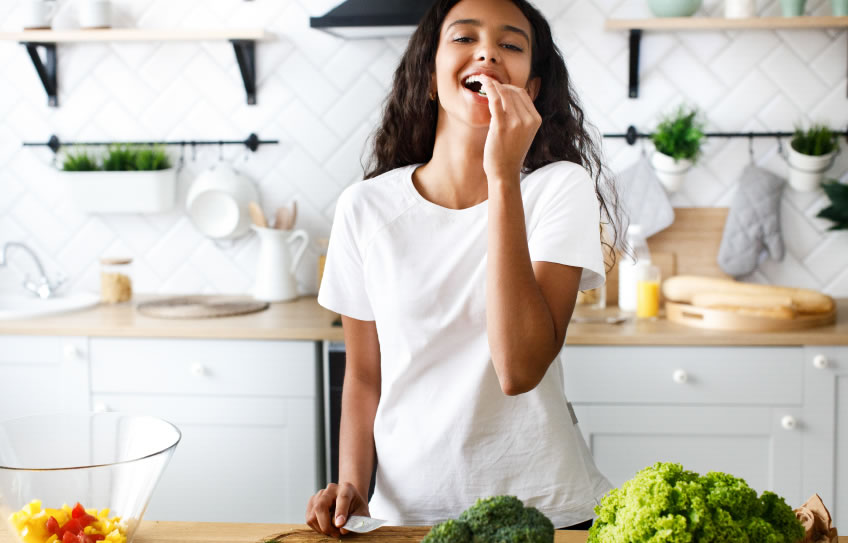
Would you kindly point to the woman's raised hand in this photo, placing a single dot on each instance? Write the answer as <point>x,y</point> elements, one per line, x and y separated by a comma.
<point>514,124</point>
<point>331,507</point>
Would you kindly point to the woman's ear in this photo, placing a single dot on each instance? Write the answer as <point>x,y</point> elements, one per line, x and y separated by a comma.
<point>533,87</point>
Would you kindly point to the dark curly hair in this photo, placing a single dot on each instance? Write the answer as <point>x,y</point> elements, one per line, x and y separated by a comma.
<point>407,132</point>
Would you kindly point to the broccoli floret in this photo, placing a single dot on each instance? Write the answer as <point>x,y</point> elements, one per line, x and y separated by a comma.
<point>449,531</point>
<point>499,519</point>
<point>666,503</point>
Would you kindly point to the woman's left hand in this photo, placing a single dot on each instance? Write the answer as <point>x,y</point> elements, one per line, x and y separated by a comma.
<point>514,124</point>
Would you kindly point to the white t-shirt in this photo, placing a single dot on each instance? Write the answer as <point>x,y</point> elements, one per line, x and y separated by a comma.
<point>445,432</point>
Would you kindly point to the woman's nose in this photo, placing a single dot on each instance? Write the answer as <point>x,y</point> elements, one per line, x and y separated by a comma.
<point>488,53</point>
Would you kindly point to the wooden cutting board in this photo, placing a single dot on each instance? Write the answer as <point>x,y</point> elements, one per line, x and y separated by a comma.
<point>200,307</point>
<point>724,319</point>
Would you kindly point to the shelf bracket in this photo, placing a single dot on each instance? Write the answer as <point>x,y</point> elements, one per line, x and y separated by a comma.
<point>47,73</point>
<point>246,57</point>
<point>635,41</point>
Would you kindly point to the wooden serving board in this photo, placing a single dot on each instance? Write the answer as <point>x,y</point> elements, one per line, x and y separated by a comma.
<point>723,319</point>
<point>383,534</point>
<point>200,307</point>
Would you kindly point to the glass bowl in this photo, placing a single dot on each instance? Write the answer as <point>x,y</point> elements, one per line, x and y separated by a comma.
<point>107,462</point>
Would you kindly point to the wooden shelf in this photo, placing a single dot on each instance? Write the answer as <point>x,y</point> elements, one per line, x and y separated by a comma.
<point>670,24</point>
<point>721,23</point>
<point>242,40</point>
<point>134,34</point>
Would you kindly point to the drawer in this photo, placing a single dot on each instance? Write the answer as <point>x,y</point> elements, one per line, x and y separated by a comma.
<point>31,349</point>
<point>212,367</point>
<point>684,375</point>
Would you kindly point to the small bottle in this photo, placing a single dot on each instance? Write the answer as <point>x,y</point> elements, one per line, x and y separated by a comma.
<point>115,280</point>
<point>639,255</point>
<point>647,291</point>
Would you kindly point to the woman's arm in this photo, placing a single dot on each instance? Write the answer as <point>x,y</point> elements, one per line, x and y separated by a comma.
<point>528,305</point>
<point>331,507</point>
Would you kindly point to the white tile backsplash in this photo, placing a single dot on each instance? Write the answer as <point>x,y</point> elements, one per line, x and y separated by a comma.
<point>321,95</point>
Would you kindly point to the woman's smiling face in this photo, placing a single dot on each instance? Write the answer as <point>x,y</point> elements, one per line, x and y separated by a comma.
<point>490,37</point>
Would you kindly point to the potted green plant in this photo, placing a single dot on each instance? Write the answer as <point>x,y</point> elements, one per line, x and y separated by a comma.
<point>128,179</point>
<point>677,142</point>
<point>837,211</point>
<point>811,153</point>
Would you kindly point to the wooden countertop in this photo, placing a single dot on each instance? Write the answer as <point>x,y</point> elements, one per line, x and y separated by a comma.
<point>304,319</point>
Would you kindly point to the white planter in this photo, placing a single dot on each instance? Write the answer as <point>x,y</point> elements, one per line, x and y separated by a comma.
<point>122,192</point>
<point>669,171</point>
<point>739,9</point>
<point>805,171</point>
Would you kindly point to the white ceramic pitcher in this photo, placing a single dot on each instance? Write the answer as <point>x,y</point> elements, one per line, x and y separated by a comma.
<point>275,281</point>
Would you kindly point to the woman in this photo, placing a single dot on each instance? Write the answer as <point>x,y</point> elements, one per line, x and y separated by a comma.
<point>455,269</point>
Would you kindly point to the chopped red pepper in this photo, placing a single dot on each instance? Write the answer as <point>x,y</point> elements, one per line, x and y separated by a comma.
<point>53,525</point>
<point>77,511</point>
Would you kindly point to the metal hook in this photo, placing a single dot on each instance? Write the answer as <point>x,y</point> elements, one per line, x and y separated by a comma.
<point>220,151</point>
<point>193,152</point>
<point>181,161</point>
<point>751,147</point>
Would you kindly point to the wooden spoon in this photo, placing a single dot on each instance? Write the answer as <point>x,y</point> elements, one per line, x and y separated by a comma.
<point>256,215</point>
<point>282,220</point>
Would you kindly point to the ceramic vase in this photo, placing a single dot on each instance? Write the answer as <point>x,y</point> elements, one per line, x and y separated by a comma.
<point>739,9</point>
<point>792,8</point>
<point>276,265</point>
<point>669,171</point>
<point>674,8</point>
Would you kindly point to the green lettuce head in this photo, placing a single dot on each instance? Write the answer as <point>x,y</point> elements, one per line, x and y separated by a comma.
<point>665,503</point>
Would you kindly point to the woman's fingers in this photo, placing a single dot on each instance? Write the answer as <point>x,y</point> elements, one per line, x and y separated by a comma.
<point>496,106</point>
<point>342,506</point>
<point>323,505</point>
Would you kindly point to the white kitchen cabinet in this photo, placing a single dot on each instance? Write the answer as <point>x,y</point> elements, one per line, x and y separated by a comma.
<point>732,409</point>
<point>43,375</point>
<point>825,455</point>
<point>249,413</point>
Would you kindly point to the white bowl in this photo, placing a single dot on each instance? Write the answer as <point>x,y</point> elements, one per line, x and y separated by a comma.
<point>217,203</point>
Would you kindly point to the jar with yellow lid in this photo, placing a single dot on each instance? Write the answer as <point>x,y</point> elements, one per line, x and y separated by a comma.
<point>115,280</point>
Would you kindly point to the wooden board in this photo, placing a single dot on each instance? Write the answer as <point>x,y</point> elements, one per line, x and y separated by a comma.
<point>200,307</point>
<point>692,240</point>
<point>723,319</point>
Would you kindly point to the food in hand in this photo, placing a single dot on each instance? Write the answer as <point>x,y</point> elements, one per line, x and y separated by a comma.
<point>498,519</point>
<point>67,525</point>
<point>688,288</point>
<point>664,502</point>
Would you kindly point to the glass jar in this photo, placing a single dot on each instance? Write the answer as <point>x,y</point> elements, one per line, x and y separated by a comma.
<point>323,244</point>
<point>115,280</point>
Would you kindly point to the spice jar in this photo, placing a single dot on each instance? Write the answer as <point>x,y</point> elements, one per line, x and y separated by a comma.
<point>115,281</point>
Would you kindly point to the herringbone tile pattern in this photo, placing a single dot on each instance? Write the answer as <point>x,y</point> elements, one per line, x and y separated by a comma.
<point>320,96</point>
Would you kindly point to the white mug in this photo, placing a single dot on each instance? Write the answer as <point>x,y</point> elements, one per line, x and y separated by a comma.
<point>740,9</point>
<point>94,14</point>
<point>37,13</point>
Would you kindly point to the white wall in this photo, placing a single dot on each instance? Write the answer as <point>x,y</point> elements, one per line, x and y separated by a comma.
<point>320,96</point>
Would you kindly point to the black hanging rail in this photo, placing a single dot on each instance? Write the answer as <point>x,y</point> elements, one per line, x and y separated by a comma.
<point>632,135</point>
<point>252,142</point>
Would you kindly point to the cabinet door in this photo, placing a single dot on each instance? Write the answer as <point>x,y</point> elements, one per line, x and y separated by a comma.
<point>748,442</point>
<point>826,434</point>
<point>239,459</point>
<point>42,375</point>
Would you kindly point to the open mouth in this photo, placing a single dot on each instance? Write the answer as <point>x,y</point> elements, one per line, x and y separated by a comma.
<point>474,83</point>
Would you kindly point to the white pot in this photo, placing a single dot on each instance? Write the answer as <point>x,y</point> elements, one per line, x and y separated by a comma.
<point>669,171</point>
<point>276,265</point>
<point>805,171</point>
<point>739,9</point>
<point>122,192</point>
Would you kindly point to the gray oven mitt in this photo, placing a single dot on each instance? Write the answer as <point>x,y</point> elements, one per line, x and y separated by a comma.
<point>644,199</point>
<point>752,230</point>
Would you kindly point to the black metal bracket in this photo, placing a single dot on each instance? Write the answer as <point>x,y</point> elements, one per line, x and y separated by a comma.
<point>635,41</point>
<point>246,57</point>
<point>632,135</point>
<point>47,73</point>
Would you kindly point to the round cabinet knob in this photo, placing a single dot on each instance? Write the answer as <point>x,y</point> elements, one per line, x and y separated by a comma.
<point>198,369</point>
<point>820,361</point>
<point>680,376</point>
<point>72,352</point>
<point>101,407</point>
<point>788,422</point>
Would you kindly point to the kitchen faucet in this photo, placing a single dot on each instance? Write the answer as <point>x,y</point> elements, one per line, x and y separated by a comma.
<point>41,287</point>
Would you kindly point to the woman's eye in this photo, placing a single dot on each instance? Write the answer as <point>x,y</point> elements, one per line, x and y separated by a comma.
<point>462,39</point>
<point>513,47</point>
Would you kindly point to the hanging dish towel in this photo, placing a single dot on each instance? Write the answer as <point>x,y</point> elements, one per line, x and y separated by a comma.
<point>752,230</point>
<point>644,199</point>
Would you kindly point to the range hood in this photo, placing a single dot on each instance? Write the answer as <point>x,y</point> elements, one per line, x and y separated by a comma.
<point>356,19</point>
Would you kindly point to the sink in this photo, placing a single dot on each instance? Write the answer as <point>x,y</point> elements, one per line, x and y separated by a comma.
<point>21,306</point>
